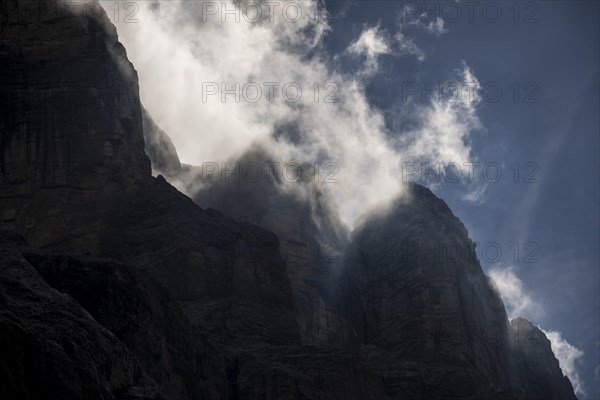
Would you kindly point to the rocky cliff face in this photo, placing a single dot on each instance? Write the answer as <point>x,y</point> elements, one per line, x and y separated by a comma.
<point>429,317</point>
<point>70,120</point>
<point>294,205</point>
<point>69,98</point>
<point>431,323</point>
<point>109,204</point>
<point>534,371</point>
<point>228,277</point>
<point>76,178</point>
<point>147,295</point>
<point>51,347</point>
<point>144,317</point>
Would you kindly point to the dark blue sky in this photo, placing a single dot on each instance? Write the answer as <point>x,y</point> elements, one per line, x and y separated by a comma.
<point>552,52</point>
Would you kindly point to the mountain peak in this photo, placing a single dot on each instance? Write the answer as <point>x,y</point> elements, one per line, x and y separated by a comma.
<point>534,370</point>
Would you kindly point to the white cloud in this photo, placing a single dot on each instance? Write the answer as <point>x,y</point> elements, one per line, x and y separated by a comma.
<point>410,19</point>
<point>476,194</point>
<point>371,43</point>
<point>407,47</point>
<point>178,49</point>
<point>436,27</point>
<point>445,124</point>
<point>519,302</point>
<point>409,22</point>
<point>517,299</point>
<point>568,357</point>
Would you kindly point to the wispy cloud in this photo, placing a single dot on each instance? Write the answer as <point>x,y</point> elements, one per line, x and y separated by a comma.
<point>517,299</point>
<point>568,357</point>
<point>443,128</point>
<point>178,50</point>
<point>374,42</point>
<point>436,27</point>
<point>371,43</point>
<point>477,193</point>
<point>407,46</point>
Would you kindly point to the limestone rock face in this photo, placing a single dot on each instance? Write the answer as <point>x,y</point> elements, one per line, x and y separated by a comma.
<point>76,178</point>
<point>292,202</point>
<point>429,317</point>
<point>227,276</point>
<point>69,98</point>
<point>303,372</point>
<point>143,316</point>
<point>70,122</point>
<point>50,347</point>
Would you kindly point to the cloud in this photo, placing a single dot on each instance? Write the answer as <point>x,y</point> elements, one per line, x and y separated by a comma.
<point>409,18</point>
<point>374,42</point>
<point>443,126</point>
<point>407,46</point>
<point>408,21</point>
<point>371,43</point>
<point>518,300</point>
<point>568,357</point>
<point>201,68</point>
<point>476,194</point>
<point>436,27</point>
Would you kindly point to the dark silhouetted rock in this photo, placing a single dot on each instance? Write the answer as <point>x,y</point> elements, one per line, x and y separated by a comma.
<point>69,100</point>
<point>431,324</point>
<point>534,372</point>
<point>51,348</point>
<point>144,316</point>
<point>100,198</point>
<point>293,203</point>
